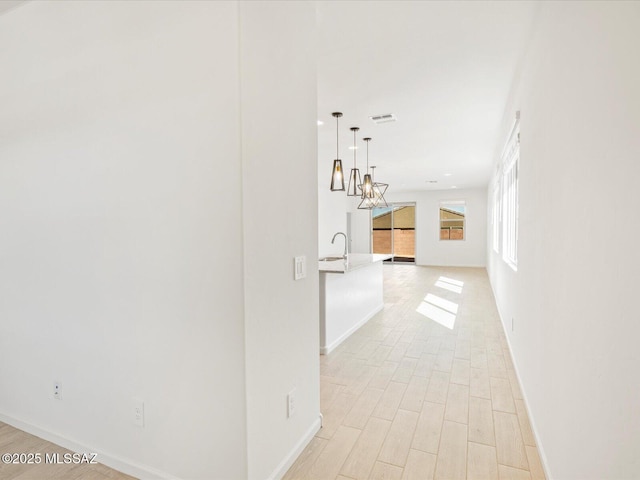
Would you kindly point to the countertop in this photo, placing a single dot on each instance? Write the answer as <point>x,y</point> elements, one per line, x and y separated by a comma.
<point>354,261</point>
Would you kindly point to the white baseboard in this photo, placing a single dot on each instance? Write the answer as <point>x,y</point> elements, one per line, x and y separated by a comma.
<point>286,463</point>
<point>543,457</point>
<point>113,461</point>
<point>445,266</point>
<point>329,348</point>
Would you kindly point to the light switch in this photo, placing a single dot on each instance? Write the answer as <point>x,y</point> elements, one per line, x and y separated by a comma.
<point>299,267</point>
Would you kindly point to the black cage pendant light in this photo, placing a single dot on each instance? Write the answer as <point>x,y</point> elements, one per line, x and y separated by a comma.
<point>379,190</point>
<point>377,200</point>
<point>367,204</point>
<point>353,190</point>
<point>368,195</point>
<point>367,185</point>
<point>337,175</point>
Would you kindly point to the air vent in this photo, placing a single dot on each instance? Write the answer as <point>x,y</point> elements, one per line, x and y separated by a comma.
<point>386,118</point>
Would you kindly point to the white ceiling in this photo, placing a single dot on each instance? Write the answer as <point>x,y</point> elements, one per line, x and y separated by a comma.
<point>443,68</point>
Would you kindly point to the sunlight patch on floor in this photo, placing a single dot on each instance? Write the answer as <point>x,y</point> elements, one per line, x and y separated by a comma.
<point>459,283</point>
<point>442,303</point>
<point>444,318</point>
<point>450,284</point>
<point>440,309</point>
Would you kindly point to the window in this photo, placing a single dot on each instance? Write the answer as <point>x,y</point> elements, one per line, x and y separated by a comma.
<point>452,220</point>
<point>510,162</point>
<point>495,219</point>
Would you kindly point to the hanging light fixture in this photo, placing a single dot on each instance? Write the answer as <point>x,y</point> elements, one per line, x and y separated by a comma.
<point>368,195</point>
<point>353,190</point>
<point>379,190</point>
<point>367,204</point>
<point>367,185</point>
<point>378,199</point>
<point>337,176</point>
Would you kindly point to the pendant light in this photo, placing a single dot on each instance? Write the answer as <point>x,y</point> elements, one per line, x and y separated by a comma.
<point>367,204</point>
<point>368,195</point>
<point>367,185</point>
<point>378,190</point>
<point>337,176</point>
<point>353,190</point>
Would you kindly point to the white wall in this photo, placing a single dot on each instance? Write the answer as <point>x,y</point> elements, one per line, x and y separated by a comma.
<point>430,250</point>
<point>280,221</point>
<point>137,253</point>
<point>119,262</point>
<point>575,341</point>
<point>360,227</point>
<point>332,212</point>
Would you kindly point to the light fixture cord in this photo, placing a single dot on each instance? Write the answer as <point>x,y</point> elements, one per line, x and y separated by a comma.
<point>354,149</point>
<point>367,156</point>
<point>337,148</point>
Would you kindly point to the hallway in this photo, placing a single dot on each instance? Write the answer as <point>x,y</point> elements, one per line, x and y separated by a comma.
<point>426,389</point>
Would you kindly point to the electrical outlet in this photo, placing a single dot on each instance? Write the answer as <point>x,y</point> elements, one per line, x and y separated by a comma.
<point>513,327</point>
<point>57,390</point>
<point>291,403</point>
<point>138,412</point>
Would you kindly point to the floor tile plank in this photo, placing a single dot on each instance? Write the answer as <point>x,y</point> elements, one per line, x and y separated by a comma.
<point>501,396</point>
<point>510,473</point>
<point>482,463</point>
<point>481,421</point>
<point>363,456</point>
<point>390,401</point>
<point>363,407</point>
<point>511,451</point>
<point>457,408</point>
<point>452,454</point>
<point>384,471</point>
<point>414,395</point>
<point>395,448</point>
<point>420,466</point>
<point>427,435</point>
<point>334,454</point>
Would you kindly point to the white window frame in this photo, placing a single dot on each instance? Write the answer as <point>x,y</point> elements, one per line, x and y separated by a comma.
<point>510,170</point>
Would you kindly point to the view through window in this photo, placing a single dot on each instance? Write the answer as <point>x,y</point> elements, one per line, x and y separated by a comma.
<point>394,231</point>
<point>452,220</point>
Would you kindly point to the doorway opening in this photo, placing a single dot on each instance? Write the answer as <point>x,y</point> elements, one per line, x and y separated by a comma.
<point>393,231</point>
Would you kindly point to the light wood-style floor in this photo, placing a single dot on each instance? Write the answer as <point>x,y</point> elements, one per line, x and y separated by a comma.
<point>13,440</point>
<point>408,398</point>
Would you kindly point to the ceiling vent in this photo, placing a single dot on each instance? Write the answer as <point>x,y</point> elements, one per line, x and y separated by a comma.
<point>386,118</point>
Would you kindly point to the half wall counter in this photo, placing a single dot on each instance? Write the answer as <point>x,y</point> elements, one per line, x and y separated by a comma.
<point>351,292</point>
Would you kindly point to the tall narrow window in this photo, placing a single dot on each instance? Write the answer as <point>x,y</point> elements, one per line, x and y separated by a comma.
<point>510,165</point>
<point>495,218</point>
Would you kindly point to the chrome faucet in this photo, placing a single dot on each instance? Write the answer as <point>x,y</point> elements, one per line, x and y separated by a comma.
<point>345,242</point>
